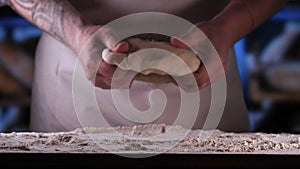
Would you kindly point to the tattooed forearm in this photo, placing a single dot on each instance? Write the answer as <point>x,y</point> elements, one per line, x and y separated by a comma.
<point>57,17</point>
<point>48,13</point>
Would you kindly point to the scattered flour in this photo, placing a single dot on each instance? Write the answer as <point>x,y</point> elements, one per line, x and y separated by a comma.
<point>144,139</point>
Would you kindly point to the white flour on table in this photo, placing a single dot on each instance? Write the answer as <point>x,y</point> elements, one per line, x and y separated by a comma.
<point>135,139</point>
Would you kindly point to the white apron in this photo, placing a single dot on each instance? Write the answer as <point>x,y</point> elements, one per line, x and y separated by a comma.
<point>52,103</point>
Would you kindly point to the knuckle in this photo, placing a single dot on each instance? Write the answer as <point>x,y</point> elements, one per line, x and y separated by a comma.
<point>108,37</point>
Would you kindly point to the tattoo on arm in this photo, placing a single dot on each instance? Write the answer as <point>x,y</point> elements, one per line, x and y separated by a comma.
<point>47,14</point>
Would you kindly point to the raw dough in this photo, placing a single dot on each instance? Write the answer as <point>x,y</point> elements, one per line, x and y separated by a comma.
<point>154,61</point>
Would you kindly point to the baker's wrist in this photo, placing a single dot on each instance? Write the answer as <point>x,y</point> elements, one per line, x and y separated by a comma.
<point>217,33</point>
<point>84,34</point>
<point>235,21</point>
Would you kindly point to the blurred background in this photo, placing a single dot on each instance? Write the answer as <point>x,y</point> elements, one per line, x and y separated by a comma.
<point>268,60</point>
<point>18,40</point>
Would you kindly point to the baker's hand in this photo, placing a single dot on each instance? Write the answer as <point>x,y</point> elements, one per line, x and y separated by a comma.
<point>92,42</point>
<point>219,42</point>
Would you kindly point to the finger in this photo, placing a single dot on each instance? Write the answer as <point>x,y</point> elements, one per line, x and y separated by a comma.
<point>101,81</point>
<point>122,47</point>
<point>214,67</point>
<point>178,44</point>
<point>203,79</point>
<point>107,73</point>
<point>188,83</point>
<point>123,79</point>
<point>110,39</point>
<point>106,70</point>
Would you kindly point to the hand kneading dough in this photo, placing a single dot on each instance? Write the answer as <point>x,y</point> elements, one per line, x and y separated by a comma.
<point>157,58</point>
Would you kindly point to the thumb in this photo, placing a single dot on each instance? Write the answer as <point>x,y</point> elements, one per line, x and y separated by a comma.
<point>122,47</point>
<point>110,40</point>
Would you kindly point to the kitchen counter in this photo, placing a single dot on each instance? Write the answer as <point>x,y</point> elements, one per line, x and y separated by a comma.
<point>168,146</point>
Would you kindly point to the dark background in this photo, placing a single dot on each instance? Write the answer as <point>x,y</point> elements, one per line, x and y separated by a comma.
<point>273,99</point>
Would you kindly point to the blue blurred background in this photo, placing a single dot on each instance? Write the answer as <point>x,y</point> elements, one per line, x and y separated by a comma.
<point>268,60</point>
